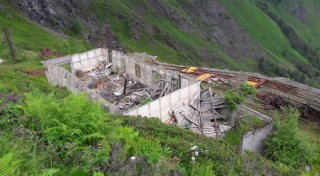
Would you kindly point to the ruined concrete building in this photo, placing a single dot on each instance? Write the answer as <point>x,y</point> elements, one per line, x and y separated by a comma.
<point>139,85</point>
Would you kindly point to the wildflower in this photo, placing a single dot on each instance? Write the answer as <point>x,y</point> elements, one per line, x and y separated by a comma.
<point>193,158</point>
<point>71,134</point>
<point>194,147</point>
<point>207,150</point>
<point>133,158</point>
<point>197,153</point>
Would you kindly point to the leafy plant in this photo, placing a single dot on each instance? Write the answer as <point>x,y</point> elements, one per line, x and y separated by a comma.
<point>7,166</point>
<point>232,99</point>
<point>76,26</point>
<point>145,101</point>
<point>73,119</point>
<point>285,144</point>
<point>247,89</point>
<point>204,169</point>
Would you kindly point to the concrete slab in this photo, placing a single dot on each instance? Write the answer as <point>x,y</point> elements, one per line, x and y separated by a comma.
<point>144,111</point>
<point>154,106</point>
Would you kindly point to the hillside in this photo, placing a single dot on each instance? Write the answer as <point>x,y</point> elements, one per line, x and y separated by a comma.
<point>213,38</point>
<point>217,34</point>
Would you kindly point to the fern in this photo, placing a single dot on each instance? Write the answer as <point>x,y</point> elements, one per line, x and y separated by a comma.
<point>7,167</point>
<point>72,119</point>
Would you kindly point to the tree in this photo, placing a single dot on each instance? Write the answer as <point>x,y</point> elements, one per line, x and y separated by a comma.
<point>76,26</point>
<point>285,144</point>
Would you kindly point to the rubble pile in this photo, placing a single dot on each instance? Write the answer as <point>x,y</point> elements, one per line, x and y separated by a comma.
<point>202,115</point>
<point>120,89</point>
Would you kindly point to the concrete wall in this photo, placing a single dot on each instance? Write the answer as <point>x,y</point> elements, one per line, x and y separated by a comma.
<point>59,61</point>
<point>254,113</point>
<point>88,60</point>
<point>254,140</point>
<point>160,108</point>
<point>63,78</point>
<point>148,72</point>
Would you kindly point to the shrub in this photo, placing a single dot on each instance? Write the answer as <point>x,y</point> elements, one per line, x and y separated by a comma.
<point>247,89</point>
<point>232,99</point>
<point>76,26</point>
<point>285,144</point>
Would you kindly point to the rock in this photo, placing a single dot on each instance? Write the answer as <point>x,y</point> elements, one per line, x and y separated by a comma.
<point>307,168</point>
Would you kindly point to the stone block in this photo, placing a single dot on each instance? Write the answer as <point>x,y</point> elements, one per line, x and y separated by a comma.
<point>175,97</point>
<point>165,101</point>
<point>83,56</point>
<point>91,54</point>
<point>154,106</point>
<point>144,110</point>
<point>184,93</point>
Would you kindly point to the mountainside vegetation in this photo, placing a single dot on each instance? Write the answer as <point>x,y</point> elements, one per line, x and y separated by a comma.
<point>247,35</point>
<point>53,132</point>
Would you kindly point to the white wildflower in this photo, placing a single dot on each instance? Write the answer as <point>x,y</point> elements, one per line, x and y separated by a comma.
<point>193,158</point>
<point>194,147</point>
<point>133,158</point>
<point>207,150</point>
<point>197,153</point>
<point>71,134</point>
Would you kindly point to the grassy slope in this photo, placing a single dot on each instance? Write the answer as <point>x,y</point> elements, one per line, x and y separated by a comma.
<point>263,30</point>
<point>308,30</point>
<point>152,44</point>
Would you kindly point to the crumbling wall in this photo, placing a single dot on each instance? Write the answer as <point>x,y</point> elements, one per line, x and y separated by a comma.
<point>143,72</point>
<point>254,113</point>
<point>88,60</point>
<point>254,140</point>
<point>60,60</point>
<point>161,107</point>
<point>63,78</point>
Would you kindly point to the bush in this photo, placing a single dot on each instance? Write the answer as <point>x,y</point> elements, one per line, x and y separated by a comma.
<point>232,99</point>
<point>285,144</point>
<point>76,26</point>
<point>247,89</point>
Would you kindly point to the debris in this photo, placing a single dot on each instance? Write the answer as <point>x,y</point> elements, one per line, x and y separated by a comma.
<point>46,52</point>
<point>1,60</point>
<point>201,115</point>
<point>13,98</point>
<point>34,72</point>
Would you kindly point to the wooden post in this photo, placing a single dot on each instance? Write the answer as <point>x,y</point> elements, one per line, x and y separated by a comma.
<point>10,45</point>
<point>125,86</point>
<point>109,40</point>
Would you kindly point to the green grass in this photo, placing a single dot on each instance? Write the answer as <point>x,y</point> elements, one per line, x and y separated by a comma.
<point>263,30</point>
<point>233,136</point>
<point>27,35</point>
<point>308,29</point>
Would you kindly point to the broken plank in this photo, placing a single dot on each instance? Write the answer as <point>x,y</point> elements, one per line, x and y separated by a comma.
<point>220,106</point>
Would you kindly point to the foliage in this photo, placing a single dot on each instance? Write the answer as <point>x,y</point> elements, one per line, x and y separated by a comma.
<point>285,145</point>
<point>224,155</point>
<point>73,119</point>
<point>75,26</point>
<point>247,89</point>
<point>204,169</point>
<point>7,166</point>
<point>232,99</point>
<point>145,101</point>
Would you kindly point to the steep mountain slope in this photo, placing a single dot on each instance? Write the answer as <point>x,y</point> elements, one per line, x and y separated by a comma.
<point>176,31</point>
<point>222,34</point>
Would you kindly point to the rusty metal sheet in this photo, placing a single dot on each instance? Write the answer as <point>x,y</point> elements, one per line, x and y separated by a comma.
<point>13,98</point>
<point>34,72</point>
<point>204,78</point>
